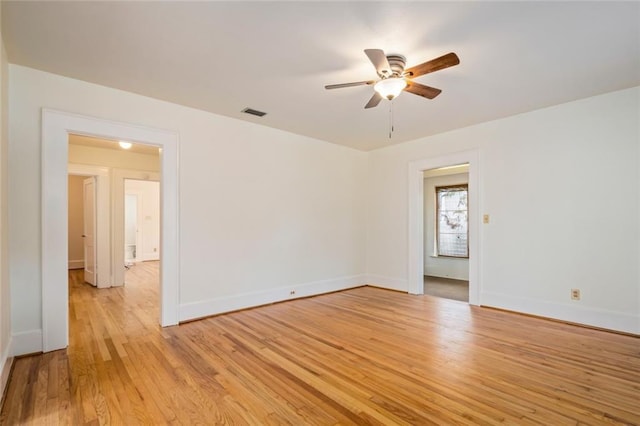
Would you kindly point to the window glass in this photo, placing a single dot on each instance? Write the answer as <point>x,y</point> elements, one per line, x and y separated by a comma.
<point>452,222</point>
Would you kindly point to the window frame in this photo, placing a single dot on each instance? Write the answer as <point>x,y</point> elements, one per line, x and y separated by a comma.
<point>437,217</point>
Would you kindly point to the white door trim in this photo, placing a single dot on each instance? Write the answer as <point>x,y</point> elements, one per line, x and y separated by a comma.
<point>416,219</point>
<point>103,217</point>
<point>56,127</point>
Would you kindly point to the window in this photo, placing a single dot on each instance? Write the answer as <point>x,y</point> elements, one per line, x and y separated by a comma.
<point>452,221</point>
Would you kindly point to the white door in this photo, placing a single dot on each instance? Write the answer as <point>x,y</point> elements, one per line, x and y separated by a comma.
<point>89,230</point>
<point>131,230</point>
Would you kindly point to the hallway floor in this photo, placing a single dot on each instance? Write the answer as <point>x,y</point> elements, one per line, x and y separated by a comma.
<point>446,288</point>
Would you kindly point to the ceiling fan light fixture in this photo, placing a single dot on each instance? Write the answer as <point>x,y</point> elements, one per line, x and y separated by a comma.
<point>391,87</point>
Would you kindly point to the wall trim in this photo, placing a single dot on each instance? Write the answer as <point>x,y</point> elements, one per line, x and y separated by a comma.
<point>570,312</point>
<point>76,264</point>
<point>26,342</point>
<point>219,305</point>
<point>438,274</point>
<point>6,362</point>
<point>399,284</point>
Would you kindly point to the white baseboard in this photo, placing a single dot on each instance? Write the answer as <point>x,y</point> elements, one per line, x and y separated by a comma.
<point>76,264</point>
<point>26,342</point>
<point>449,277</point>
<point>388,282</point>
<point>189,311</point>
<point>150,256</point>
<point>570,312</point>
<point>6,361</point>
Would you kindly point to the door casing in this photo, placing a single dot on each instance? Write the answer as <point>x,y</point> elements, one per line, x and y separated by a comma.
<point>56,127</point>
<point>416,219</point>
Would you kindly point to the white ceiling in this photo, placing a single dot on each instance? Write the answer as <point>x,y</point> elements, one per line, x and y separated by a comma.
<point>277,57</point>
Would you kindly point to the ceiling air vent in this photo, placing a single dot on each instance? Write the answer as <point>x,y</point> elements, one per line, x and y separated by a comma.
<point>254,112</point>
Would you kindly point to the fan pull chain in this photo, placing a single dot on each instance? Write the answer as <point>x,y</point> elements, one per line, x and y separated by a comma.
<point>390,118</point>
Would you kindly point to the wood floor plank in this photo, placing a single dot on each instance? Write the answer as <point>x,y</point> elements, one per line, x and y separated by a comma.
<point>363,356</point>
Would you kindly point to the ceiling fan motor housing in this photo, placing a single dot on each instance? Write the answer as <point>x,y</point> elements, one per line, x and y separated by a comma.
<point>396,63</point>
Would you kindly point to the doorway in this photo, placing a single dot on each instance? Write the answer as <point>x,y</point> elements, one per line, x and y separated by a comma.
<point>446,232</point>
<point>82,230</point>
<point>131,232</point>
<point>141,226</point>
<point>56,127</point>
<point>416,249</point>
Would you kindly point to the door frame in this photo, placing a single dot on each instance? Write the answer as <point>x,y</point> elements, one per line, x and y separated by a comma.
<point>103,217</point>
<point>56,127</point>
<point>416,219</point>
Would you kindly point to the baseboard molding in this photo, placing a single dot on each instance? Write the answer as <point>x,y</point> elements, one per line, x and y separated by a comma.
<point>570,312</point>
<point>26,342</point>
<point>388,282</point>
<point>76,264</point>
<point>6,362</point>
<point>436,275</point>
<point>191,311</point>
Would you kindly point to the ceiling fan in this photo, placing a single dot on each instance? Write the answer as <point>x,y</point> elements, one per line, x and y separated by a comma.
<point>394,78</point>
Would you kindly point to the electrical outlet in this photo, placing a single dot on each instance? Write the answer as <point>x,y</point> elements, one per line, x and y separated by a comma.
<point>575,294</point>
<point>485,218</point>
<point>292,292</point>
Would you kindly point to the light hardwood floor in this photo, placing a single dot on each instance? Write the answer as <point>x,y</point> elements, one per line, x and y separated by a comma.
<point>363,356</point>
<point>446,288</point>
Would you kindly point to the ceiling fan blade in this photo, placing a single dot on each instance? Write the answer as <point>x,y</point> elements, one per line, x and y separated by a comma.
<point>357,83</point>
<point>422,90</point>
<point>374,101</point>
<point>444,61</point>
<point>379,60</point>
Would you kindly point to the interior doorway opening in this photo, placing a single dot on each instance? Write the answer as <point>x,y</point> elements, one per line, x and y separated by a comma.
<point>141,221</point>
<point>56,128</point>
<point>141,230</point>
<point>446,232</point>
<point>109,166</point>
<point>416,222</point>
<point>82,226</point>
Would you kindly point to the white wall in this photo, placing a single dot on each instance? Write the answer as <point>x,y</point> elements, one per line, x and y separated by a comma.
<point>5,299</point>
<point>434,265</point>
<point>561,185</point>
<point>148,193</point>
<point>262,211</point>
<point>76,221</point>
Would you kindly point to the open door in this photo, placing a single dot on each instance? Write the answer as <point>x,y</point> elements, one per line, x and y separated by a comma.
<point>89,230</point>
<point>131,228</point>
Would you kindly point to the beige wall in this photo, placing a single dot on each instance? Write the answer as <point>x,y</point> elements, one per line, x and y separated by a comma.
<point>81,154</point>
<point>5,305</point>
<point>76,222</point>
